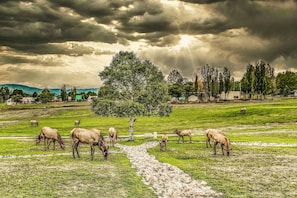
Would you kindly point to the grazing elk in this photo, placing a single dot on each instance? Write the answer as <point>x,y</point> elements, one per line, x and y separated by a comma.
<point>183,133</point>
<point>243,110</point>
<point>163,142</point>
<point>209,135</point>
<point>50,135</point>
<point>76,123</point>
<point>93,137</point>
<point>223,140</point>
<point>113,136</point>
<point>34,123</point>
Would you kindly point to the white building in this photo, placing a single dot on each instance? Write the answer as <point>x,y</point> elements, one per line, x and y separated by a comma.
<point>232,95</point>
<point>28,100</point>
<point>10,102</point>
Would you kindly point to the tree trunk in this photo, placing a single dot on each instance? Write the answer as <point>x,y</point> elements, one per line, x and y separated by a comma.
<point>131,137</point>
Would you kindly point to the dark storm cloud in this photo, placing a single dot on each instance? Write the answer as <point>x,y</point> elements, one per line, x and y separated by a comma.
<point>103,11</point>
<point>6,59</point>
<point>70,49</point>
<point>26,23</point>
<point>209,26</point>
<point>272,21</point>
<point>269,19</point>
<point>19,60</point>
<point>146,17</point>
<point>227,33</point>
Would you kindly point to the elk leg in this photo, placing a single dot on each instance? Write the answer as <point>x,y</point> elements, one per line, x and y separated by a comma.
<point>190,139</point>
<point>45,144</point>
<point>49,141</point>
<point>183,139</point>
<point>222,145</point>
<point>73,147</point>
<point>214,147</point>
<point>54,143</point>
<point>92,151</point>
<point>208,143</point>
<point>76,148</point>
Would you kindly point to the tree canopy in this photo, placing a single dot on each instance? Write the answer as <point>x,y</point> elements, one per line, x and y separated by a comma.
<point>45,96</point>
<point>132,87</point>
<point>286,82</point>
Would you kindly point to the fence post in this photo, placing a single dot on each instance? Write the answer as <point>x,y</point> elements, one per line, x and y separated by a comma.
<point>155,135</point>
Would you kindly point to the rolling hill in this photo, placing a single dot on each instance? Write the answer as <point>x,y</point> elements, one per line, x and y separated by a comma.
<point>56,91</point>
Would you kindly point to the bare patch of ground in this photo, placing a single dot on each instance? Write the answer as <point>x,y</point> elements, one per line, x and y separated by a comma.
<point>266,174</point>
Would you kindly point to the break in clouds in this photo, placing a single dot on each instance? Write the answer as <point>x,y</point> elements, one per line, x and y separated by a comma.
<point>52,42</point>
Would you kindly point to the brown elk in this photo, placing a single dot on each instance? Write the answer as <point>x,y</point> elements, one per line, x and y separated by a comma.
<point>183,133</point>
<point>34,123</point>
<point>209,135</point>
<point>163,142</point>
<point>243,110</point>
<point>93,137</point>
<point>50,135</point>
<point>113,136</point>
<point>223,140</point>
<point>76,123</point>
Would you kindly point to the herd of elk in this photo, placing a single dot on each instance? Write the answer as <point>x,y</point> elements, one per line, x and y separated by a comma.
<point>94,137</point>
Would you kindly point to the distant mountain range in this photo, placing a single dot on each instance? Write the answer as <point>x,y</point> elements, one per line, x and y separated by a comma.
<point>56,91</point>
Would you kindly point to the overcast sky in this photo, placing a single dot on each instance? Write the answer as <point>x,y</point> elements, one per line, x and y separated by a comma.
<point>48,43</point>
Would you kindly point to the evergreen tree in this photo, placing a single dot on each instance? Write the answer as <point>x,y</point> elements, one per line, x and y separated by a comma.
<point>63,94</point>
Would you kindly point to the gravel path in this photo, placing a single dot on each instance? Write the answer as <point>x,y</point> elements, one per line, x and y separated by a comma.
<point>166,180</point>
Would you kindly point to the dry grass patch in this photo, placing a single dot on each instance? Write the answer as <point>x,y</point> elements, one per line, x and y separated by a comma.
<point>61,176</point>
<point>248,172</point>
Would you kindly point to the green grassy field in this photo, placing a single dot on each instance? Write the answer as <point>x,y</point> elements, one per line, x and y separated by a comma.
<point>250,171</point>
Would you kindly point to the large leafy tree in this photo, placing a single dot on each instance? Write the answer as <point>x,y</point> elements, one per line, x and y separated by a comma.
<point>286,82</point>
<point>45,96</point>
<point>4,94</point>
<point>175,90</point>
<point>258,79</point>
<point>131,88</point>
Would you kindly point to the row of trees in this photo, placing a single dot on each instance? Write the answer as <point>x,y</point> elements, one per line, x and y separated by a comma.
<point>258,81</point>
<point>44,96</point>
<point>208,82</point>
